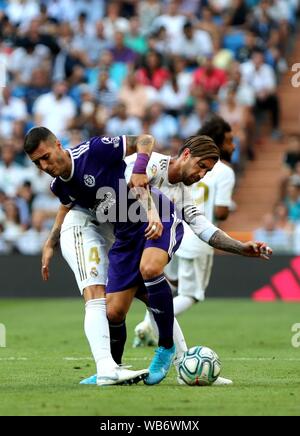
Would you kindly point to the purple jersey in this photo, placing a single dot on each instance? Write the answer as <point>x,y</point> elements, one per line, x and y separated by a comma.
<point>97,183</point>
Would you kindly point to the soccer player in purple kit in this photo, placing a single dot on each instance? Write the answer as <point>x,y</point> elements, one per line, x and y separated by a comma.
<point>88,177</point>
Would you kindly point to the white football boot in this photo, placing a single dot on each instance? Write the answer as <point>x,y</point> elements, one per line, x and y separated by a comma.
<point>221,381</point>
<point>121,376</point>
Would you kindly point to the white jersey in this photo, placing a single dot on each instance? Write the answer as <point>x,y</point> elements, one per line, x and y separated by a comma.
<point>215,189</point>
<point>179,194</point>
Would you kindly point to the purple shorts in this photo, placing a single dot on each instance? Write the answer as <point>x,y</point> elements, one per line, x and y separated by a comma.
<point>125,255</point>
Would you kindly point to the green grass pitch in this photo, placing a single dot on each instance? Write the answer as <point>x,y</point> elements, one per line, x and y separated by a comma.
<point>47,355</point>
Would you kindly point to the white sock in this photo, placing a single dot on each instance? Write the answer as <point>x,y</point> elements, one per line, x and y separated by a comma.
<point>147,319</point>
<point>182,303</point>
<point>178,337</point>
<point>97,332</point>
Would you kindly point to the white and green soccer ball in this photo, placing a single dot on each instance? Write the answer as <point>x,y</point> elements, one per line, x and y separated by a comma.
<point>200,366</point>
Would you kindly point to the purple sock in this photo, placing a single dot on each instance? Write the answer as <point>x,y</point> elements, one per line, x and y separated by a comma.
<point>161,305</point>
<point>118,336</point>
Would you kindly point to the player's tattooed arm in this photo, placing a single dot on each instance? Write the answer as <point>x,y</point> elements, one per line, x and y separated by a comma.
<point>54,235</point>
<point>143,144</point>
<point>222,241</point>
<point>139,144</point>
<point>52,241</point>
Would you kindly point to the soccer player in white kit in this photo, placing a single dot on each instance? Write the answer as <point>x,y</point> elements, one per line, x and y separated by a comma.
<point>194,259</point>
<point>191,266</point>
<point>163,172</point>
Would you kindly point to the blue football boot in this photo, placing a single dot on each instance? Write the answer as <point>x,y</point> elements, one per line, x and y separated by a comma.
<point>90,380</point>
<point>160,365</point>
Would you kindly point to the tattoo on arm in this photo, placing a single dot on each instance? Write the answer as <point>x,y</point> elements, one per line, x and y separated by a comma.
<point>222,241</point>
<point>54,236</point>
<point>140,144</point>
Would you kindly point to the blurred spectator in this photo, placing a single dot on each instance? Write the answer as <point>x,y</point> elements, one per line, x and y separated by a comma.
<point>122,122</point>
<point>282,219</point>
<point>12,175</point>
<point>272,235</point>
<point>262,78</point>
<point>292,202</point>
<point>152,72</point>
<point>174,94</point>
<point>22,11</point>
<point>12,226</point>
<point>208,80</point>
<point>113,21</point>
<point>209,24</point>
<point>134,38</point>
<point>235,114</point>
<point>148,10</point>
<point>162,126</point>
<point>251,44</point>
<point>192,44</point>
<point>136,96</point>
<point>34,52</point>
<point>172,20</point>
<point>120,52</point>
<point>107,90</point>
<point>38,85</point>
<point>237,13</point>
<point>55,110</point>
<point>12,109</point>
<point>192,122</point>
<point>160,42</point>
<point>91,116</point>
<point>32,241</point>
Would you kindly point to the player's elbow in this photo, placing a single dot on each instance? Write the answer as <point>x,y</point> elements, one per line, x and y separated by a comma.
<point>221,213</point>
<point>146,139</point>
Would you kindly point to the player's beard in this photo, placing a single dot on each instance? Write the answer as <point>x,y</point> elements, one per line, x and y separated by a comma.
<point>189,180</point>
<point>226,155</point>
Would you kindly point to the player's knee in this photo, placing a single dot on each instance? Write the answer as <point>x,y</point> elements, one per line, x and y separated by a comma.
<point>94,292</point>
<point>150,270</point>
<point>115,314</point>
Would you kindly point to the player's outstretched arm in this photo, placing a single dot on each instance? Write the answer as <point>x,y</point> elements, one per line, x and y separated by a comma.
<point>52,241</point>
<point>222,241</point>
<point>143,145</point>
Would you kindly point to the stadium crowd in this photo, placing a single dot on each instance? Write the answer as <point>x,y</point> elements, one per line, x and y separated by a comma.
<point>95,67</point>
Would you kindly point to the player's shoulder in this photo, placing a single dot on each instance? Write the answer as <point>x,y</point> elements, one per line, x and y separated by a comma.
<point>80,149</point>
<point>161,160</point>
<point>55,185</point>
<point>223,169</point>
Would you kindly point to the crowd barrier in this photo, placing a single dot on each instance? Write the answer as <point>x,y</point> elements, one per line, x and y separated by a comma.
<point>232,277</point>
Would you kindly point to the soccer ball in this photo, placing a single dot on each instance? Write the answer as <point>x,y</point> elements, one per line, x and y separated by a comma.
<point>200,366</point>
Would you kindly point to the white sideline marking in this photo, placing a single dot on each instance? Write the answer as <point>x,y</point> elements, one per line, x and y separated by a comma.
<point>140,359</point>
<point>233,359</point>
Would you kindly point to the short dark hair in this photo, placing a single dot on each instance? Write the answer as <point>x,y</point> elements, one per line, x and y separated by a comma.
<point>216,128</point>
<point>35,136</point>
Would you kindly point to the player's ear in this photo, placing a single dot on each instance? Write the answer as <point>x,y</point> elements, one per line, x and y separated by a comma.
<point>186,153</point>
<point>58,144</point>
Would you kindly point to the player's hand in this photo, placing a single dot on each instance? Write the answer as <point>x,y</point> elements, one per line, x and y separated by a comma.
<point>47,255</point>
<point>155,227</point>
<point>257,249</point>
<point>139,181</point>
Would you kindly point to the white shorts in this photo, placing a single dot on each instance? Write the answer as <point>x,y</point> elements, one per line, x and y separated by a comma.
<point>85,245</point>
<point>193,275</point>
